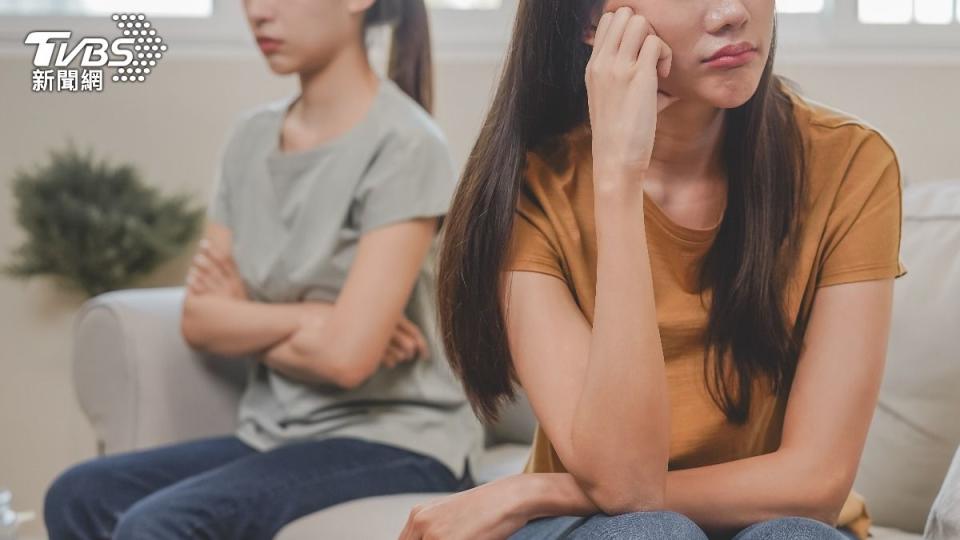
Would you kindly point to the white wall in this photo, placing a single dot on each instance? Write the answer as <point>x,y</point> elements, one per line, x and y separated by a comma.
<point>172,127</point>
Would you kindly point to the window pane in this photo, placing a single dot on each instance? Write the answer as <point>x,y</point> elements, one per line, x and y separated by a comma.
<point>885,11</point>
<point>39,7</point>
<point>183,8</point>
<point>178,8</point>
<point>933,11</point>
<point>799,6</point>
<point>464,4</point>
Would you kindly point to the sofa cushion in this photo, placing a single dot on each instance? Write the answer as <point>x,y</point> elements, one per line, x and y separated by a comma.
<point>501,460</point>
<point>370,518</point>
<point>884,533</point>
<point>517,422</point>
<point>351,520</point>
<point>915,429</point>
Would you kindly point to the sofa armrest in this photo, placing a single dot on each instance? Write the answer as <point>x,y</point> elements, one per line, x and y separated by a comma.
<point>138,381</point>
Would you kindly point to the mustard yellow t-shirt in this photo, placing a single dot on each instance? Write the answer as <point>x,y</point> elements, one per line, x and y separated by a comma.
<point>851,232</point>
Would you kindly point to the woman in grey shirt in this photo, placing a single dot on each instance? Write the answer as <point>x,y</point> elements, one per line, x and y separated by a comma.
<point>318,267</point>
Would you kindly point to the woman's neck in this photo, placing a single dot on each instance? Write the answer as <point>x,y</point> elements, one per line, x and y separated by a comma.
<point>331,100</point>
<point>688,142</point>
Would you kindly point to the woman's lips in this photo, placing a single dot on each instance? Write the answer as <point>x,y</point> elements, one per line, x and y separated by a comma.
<point>268,45</point>
<point>731,61</point>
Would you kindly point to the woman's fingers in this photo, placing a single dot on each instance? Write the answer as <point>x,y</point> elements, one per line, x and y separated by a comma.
<point>414,332</point>
<point>405,345</point>
<point>214,259</point>
<point>602,27</point>
<point>207,272</point>
<point>625,37</point>
<point>194,284</point>
<point>633,36</point>
<point>204,259</point>
<point>198,280</point>
<point>410,330</point>
<point>656,54</point>
<point>614,34</point>
<point>392,356</point>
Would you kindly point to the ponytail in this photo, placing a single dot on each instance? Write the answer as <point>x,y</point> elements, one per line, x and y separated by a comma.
<point>411,65</point>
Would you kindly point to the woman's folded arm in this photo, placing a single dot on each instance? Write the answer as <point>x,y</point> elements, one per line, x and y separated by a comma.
<point>346,346</point>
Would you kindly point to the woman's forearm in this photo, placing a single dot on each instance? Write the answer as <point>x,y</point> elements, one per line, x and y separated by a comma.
<point>233,327</point>
<point>735,494</point>
<point>720,498</point>
<point>623,403</point>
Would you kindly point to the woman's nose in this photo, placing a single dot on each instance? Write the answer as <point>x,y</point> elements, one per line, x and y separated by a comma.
<point>259,10</point>
<point>726,15</point>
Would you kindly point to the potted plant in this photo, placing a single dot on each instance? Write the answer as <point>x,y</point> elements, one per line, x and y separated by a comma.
<point>96,226</point>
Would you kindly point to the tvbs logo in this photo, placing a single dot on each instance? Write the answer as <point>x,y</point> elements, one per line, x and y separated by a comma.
<point>134,55</point>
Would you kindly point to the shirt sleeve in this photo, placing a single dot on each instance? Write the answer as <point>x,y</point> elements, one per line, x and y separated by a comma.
<point>409,177</point>
<point>218,205</point>
<point>533,244</point>
<point>864,228</point>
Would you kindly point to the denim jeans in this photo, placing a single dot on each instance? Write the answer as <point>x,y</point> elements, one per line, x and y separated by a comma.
<point>220,487</point>
<point>665,525</point>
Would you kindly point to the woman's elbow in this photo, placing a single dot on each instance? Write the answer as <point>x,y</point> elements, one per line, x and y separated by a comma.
<point>823,511</point>
<point>623,494</point>
<point>345,366</point>
<point>362,365</point>
<point>189,325</point>
<point>634,484</point>
<point>826,501</point>
<point>820,491</point>
<point>618,501</point>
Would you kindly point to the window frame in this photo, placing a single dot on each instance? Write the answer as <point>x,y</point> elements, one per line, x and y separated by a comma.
<point>844,29</point>
<point>465,33</point>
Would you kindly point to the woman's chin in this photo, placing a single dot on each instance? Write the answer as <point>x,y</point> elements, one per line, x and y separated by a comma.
<point>280,65</point>
<point>729,94</point>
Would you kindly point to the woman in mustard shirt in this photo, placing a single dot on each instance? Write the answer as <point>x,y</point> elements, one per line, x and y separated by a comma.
<point>686,265</point>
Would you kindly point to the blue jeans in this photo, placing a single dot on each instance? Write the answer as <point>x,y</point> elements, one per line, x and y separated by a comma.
<point>222,488</point>
<point>665,525</point>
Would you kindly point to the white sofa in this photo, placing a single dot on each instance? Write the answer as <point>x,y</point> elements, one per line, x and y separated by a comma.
<point>140,385</point>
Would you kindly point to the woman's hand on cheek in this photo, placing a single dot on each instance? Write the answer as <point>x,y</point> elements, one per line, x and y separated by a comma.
<point>622,79</point>
<point>489,511</point>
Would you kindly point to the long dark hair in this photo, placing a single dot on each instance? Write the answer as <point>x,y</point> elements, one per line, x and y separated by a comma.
<point>542,95</point>
<point>411,66</point>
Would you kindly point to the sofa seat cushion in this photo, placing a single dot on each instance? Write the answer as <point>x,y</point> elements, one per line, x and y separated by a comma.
<point>885,533</point>
<point>383,517</point>
<point>370,518</point>
<point>501,460</point>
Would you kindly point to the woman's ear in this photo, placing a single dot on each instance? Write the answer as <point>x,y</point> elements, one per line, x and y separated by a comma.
<point>589,33</point>
<point>596,10</point>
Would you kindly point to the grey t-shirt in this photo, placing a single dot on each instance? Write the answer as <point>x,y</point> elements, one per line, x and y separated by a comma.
<point>296,219</point>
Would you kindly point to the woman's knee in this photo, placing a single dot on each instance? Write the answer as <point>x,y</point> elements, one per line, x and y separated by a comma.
<point>139,523</point>
<point>73,503</point>
<point>166,515</point>
<point>790,528</point>
<point>653,525</point>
